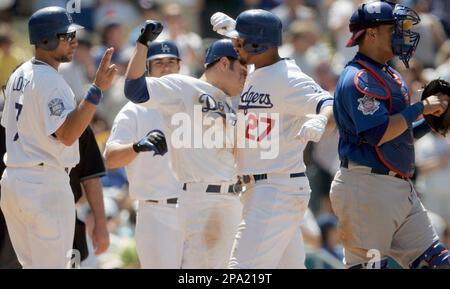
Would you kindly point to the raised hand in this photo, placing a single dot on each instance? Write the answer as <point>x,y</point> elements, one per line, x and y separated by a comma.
<point>106,71</point>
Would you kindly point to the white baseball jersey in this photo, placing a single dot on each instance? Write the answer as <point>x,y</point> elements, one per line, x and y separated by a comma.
<point>150,177</point>
<point>38,101</point>
<point>184,99</point>
<point>275,100</point>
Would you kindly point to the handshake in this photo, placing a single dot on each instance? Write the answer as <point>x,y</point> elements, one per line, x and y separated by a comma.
<point>154,141</point>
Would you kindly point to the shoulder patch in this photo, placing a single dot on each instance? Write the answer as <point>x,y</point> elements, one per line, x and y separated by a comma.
<point>368,105</point>
<point>56,106</point>
<point>368,85</point>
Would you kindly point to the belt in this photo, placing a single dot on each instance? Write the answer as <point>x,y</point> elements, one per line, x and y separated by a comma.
<point>261,177</point>
<point>170,201</point>
<point>65,169</point>
<point>344,164</point>
<point>232,189</point>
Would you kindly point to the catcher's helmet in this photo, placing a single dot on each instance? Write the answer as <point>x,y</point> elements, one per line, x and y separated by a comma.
<point>260,30</point>
<point>404,40</point>
<point>162,49</point>
<point>47,23</point>
<point>220,48</point>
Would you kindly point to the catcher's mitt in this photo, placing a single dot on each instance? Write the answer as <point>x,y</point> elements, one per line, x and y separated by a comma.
<point>440,124</point>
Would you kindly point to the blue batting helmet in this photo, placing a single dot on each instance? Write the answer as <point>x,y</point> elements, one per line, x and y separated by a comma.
<point>404,41</point>
<point>220,48</point>
<point>46,24</point>
<point>162,49</point>
<point>260,30</point>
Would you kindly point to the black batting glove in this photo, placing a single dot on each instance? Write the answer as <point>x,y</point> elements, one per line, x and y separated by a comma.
<point>154,141</point>
<point>149,32</point>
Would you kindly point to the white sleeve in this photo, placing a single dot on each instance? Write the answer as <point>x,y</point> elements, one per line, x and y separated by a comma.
<point>124,128</point>
<point>165,93</point>
<point>58,103</point>
<point>303,97</point>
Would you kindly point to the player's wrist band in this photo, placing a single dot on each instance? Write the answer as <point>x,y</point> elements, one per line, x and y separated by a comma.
<point>93,95</point>
<point>411,113</point>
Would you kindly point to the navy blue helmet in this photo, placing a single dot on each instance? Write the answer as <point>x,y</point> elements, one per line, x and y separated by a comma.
<point>218,49</point>
<point>46,24</point>
<point>260,30</point>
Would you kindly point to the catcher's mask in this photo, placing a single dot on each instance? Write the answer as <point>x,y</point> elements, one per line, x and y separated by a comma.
<point>404,40</point>
<point>373,14</point>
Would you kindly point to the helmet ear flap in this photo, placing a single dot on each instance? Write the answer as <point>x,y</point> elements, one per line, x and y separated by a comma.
<point>48,43</point>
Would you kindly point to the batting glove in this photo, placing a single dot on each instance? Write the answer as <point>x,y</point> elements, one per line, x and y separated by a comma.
<point>149,32</point>
<point>154,141</point>
<point>222,23</point>
<point>312,129</point>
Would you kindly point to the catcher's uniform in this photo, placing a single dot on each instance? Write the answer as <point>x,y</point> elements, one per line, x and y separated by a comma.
<point>159,237</point>
<point>275,101</point>
<point>371,194</point>
<point>209,204</point>
<point>36,197</point>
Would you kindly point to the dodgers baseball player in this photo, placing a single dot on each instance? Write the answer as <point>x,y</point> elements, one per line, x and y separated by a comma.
<point>377,206</point>
<point>43,124</point>
<point>286,108</point>
<point>158,234</point>
<point>210,204</point>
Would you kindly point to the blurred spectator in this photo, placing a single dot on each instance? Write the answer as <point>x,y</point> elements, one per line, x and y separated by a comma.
<point>443,61</point>
<point>114,11</point>
<point>112,35</point>
<point>441,8</point>
<point>207,8</point>
<point>80,72</point>
<point>446,238</point>
<point>330,236</point>
<point>433,165</point>
<point>432,34</point>
<point>189,43</point>
<point>291,10</point>
<point>338,20</point>
<point>304,47</point>
<point>10,56</point>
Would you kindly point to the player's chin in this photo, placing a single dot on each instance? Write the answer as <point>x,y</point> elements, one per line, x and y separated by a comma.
<point>66,58</point>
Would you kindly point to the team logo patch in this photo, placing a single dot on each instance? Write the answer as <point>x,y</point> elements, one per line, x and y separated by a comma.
<point>368,105</point>
<point>56,106</point>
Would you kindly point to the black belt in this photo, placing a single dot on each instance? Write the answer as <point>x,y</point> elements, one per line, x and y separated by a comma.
<point>236,188</point>
<point>344,164</point>
<point>264,176</point>
<point>65,169</point>
<point>171,201</point>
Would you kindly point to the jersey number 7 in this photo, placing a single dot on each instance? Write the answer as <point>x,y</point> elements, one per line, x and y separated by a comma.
<point>253,127</point>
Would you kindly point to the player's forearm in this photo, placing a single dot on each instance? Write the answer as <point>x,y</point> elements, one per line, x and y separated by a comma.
<point>119,155</point>
<point>136,66</point>
<point>75,123</point>
<point>328,113</point>
<point>397,125</point>
<point>94,196</point>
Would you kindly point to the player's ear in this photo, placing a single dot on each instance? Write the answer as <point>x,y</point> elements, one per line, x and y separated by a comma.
<point>224,63</point>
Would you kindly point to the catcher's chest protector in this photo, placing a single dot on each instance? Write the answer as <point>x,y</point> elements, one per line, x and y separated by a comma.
<point>385,84</point>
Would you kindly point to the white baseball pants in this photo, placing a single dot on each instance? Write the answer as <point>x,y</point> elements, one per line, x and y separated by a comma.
<point>39,209</point>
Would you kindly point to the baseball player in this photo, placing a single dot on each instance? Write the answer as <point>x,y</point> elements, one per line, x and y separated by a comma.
<point>283,106</point>
<point>43,124</point>
<point>210,204</point>
<point>159,235</point>
<point>377,206</point>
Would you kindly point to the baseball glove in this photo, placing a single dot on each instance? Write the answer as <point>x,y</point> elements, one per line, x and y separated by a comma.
<point>440,124</point>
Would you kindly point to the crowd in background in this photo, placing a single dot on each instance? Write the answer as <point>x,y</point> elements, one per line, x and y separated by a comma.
<point>315,34</point>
